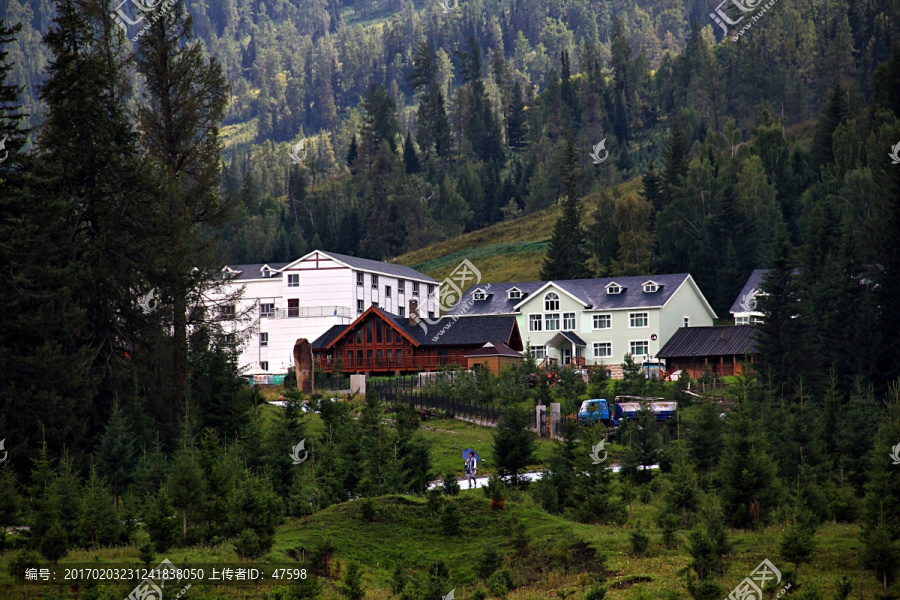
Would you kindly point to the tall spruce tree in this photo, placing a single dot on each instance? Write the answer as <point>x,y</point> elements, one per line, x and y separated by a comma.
<point>567,256</point>
<point>184,100</point>
<point>107,219</point>
<point>516,126</point>
<point>777,335</point>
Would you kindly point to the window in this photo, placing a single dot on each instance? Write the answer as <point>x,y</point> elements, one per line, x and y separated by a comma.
<point>479,295</point>
<point>415,288</point>
<point>293,307</point>
<point>742,320</point>
<point>551,321</point>
<point>227,311</point>
<point>650,287</point>
<point>602,349</point>
<point>401,311</point>
<point>369,331</point>
<point>267,310</point>
<point>374,282</point>
<point>641,348</point>
<point>378,355</point>
<point>228,338</point>
<point>359,335</point>
<point>387,291</point>
<point>388,335</point>
<point>514,294</point>
<point>638,320</point>
<point>266,273</point>
<point>431,315</point>
<point>264,365</point>
<point>614,288</point>
<point>551,301</point>
<point>430,289</point>
<point>568,321</point>
<point>359,307</point>
<point>602,321</point>
<point>687,321</point>
<point>294,280</point>
<point>359,358</point>
<point>539,352</point>
<point>359,279</point>
<point>378,332</point>
<point>375,304</point>
<point>263,339</point>
<point>401,286</point>
<point>534,323</point>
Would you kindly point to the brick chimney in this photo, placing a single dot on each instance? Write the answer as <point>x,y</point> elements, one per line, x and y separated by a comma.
<point>413,313</point>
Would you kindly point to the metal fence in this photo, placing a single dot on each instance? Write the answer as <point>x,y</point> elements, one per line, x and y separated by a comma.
<point>332,383</point>
<point>405,393</point>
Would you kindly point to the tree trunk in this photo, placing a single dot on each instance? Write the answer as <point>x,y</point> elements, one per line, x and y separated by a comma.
<point>184,522</point>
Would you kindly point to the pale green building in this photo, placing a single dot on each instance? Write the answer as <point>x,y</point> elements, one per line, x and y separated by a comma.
<point>597,320</point>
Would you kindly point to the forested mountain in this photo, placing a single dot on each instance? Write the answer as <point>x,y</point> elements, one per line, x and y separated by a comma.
<point>474,104</point>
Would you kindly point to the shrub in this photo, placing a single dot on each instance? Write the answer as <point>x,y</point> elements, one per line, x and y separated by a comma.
<point>479,594</point>
<point>668,522</point>
<point>595,592</point>
<point>450,520</point>
<point>451,485</point>
<point>500,583</point>
<point>367,510</point>
<point>640,541</point>
<point>489,562</point>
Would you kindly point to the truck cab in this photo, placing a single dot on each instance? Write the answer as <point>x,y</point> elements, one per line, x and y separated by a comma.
<point>593,411</point>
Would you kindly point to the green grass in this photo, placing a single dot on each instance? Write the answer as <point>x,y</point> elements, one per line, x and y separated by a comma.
<point>508,266</point>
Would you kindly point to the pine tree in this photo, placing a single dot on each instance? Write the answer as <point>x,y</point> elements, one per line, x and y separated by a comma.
<point>12,501</point>
<point>516,126</point>
<point>410,157</point>
<point>747,474</point>
<point>99,524</point>
<point>567,255</point>
<point>675,163</point>
<point>777,335</point>
<point>353,151</point>
<point>116,455</point>
<point>185,484</point>
<point>184,101</point>
<point>514,441</point>
<point>379,122</point>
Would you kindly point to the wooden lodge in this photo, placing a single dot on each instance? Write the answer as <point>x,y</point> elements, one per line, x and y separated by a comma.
<point>719,351</point>
<point>380,342</point>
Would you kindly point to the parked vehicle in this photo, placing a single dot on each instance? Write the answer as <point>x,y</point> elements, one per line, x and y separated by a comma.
<point>593,411</point>
<point>598,410</point>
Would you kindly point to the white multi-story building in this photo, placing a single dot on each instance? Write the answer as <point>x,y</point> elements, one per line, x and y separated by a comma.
<point>304,298</point>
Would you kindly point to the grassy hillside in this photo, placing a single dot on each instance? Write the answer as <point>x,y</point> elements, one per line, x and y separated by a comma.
<point>489,248</point>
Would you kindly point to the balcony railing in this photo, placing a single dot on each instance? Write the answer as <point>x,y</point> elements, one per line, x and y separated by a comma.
<point>307,312</point>
<point>395,363</point>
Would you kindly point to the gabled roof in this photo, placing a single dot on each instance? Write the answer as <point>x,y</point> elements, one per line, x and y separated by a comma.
<point>456,332</point>
<point>569,336</point>
<point>321,342</point>
<point>569,292</point>
<point>365,264</point>
<point>254,270</point>
<point>590,292</point>
<point>730,340</point>
<point>744,303</point>
<point>494,349</point>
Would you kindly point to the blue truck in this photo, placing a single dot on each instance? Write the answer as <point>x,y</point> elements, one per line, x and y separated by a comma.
<point>625,407</point>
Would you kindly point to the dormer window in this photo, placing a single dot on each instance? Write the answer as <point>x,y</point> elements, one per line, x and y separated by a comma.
<point>650,287</point>
<point>614,288</point>
<point>479,295</point>
<point>514,294</point>
<point>266,272</point>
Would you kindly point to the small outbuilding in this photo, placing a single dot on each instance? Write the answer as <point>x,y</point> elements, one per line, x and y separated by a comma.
<point>493,356</point>
<point>717,350</point>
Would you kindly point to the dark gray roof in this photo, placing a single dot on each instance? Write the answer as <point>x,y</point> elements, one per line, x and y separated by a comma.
<point>754,282</point>
<point>494,349</point>
<point>590,291</point>
<point>323,340</point>
<point>253,271</point>
<point>366,264</point>
<point>459,332</point>
<point>731,340</point>
<point>569,335</point>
